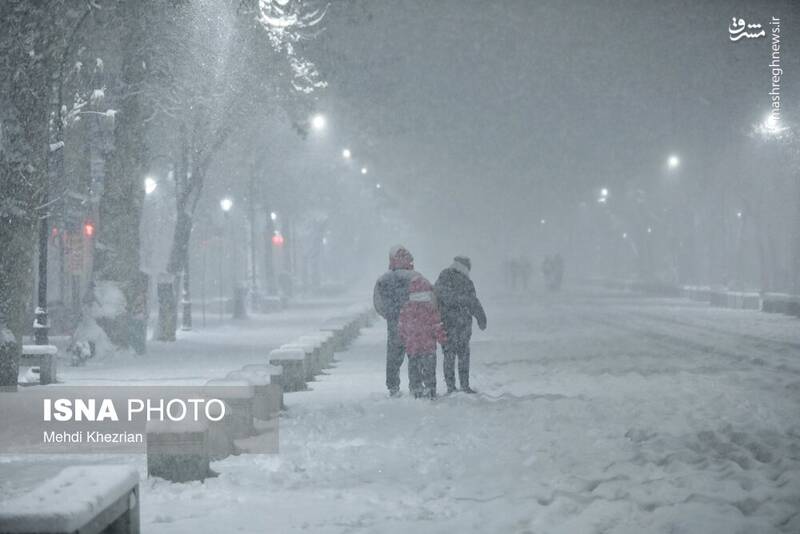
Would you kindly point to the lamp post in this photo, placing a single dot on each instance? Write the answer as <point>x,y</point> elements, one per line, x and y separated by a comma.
<point>41,322</point>
<point>225,204</point>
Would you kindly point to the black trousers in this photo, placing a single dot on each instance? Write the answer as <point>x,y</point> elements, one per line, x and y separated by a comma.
<point>457,347</point>
<point>395,354</point>
<point>422,375</point>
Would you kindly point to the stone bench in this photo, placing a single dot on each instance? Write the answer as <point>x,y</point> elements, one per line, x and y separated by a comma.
<point>293,362</point>
<point>268,397</point>
<point>80,499</point>
<point>178,451</point>
<point>238,398</point>
<point>43,356</point>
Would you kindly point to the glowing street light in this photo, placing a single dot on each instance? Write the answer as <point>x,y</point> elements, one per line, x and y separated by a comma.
<point>273,215</point>
<point>363,170</point>
<point>378,185</point>
<point>346,154</point>
<point>318,121</point>
<point>150,185</point>
<point>604,192</point>
<point>673,162</point>
<point>226,204</point>
<point>543,221</point>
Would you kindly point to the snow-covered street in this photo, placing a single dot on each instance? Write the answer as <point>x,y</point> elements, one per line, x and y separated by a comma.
<point>596,412</point>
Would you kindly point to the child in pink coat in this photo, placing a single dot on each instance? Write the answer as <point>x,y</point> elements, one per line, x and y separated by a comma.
<point>420,328</point>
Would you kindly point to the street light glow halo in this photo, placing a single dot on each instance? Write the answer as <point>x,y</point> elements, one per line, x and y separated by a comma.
<point>318,121</point>
<point>150,185</point>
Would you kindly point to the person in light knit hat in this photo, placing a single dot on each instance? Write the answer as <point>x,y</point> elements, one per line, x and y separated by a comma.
<point>458,304</point>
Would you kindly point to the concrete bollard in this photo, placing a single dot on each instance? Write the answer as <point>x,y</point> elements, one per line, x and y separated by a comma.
<point>313,361</point>
<point>275,373</point>
<point>265,403</point>
<point>776,303</point>
<point>178,451</point>
<point>293,362</point>
<point>238,398</point>
<point>324,343</point>
<point>337,327</point>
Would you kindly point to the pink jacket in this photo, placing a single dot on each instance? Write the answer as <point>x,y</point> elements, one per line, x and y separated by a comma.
<point>420,327</point>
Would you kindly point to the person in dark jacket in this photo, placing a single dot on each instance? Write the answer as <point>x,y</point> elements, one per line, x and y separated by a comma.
<point>458,304</point>
<point>389,296</point>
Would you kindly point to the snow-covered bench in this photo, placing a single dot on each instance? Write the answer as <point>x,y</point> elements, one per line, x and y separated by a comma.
<point>178,450</point>
<point>238,398</point>
<point>42,356</point>
<point>85,499</point>
<point>293,362</point>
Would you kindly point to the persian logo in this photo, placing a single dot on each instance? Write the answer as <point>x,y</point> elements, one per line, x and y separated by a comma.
<point>740,29</point>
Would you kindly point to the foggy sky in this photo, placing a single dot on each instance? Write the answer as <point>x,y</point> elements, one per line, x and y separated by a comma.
<point>484,117</point>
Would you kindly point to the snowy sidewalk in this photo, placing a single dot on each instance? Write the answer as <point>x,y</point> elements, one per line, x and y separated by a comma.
<point>211,352</point>
<point>596,413</point>
<point>579,427</point>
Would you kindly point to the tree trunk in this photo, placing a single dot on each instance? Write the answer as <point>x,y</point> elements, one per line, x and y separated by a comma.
<point>186,300</point>
<point>269,261</point>
<point>23,166</point>
<point>795,233</point>
<point>117,261</point>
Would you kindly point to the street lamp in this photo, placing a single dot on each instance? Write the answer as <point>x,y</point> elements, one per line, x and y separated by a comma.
<point>226,204</point>
<point>150,185</point>
<point>673,161</point>
<point>273,215</point>
<point>318,121</point>
<point>346,154</point>
<point>363,170</point>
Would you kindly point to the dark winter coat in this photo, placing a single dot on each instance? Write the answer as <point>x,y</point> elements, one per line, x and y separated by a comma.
<point>458,303</point>
<point>391,292</point>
